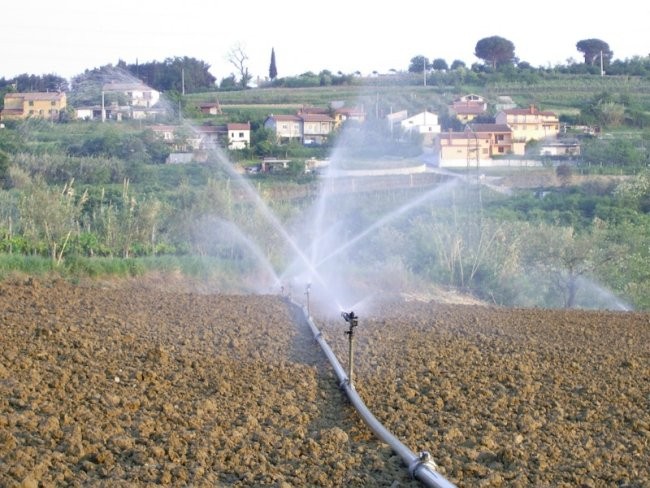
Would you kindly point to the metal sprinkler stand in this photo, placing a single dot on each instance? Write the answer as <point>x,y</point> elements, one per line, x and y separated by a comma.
<point>353,320</point>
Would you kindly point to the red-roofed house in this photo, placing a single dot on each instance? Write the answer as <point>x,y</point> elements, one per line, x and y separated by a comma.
<point>478,142</point>
<point>529,123</point>
<point>210,108</point>
<point>286,128</point>
<point>343,114</point>
<point>468,107</point>
<point>239,135</point>
<point>316,128</point>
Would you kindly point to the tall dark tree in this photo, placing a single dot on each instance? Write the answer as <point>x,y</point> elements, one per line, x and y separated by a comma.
<point>495,51</point>
<point>273,70</point>
<point>591,49</point>
<point>457,64</point>
<point>419,64</point>
<point>439,64</point>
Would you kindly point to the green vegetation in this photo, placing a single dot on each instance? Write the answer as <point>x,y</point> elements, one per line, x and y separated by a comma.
<point>83,199</point>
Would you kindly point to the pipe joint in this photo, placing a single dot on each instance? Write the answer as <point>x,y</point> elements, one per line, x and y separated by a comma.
<point>423,460</point>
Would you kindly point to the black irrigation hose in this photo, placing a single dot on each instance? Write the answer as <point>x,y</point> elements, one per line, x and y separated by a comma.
<point>421,466</point>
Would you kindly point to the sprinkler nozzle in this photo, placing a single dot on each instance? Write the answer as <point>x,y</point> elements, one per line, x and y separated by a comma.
<point>350,318</point>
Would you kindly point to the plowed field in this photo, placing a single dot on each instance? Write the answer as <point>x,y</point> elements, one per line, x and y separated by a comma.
<point>127,386</point>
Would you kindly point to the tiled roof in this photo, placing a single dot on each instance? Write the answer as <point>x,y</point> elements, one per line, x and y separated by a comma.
<point>490,128</point>
<point>37,95</point>
<point>313,110</point>
<point>239,126</point>
<point>469,108</point>
<point>285,118</point>
<point>527,111</point>
<point>350,111</point>
<point>126,87</point>
<point>316,118</point>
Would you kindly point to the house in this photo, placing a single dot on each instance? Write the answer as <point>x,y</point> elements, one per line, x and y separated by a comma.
<point>425,123</point>
<point>130,100</point>
<point>504,102</point>
<point>459,148</point>
<point>468,107</point>
<point>343,114</point>
<point>560,148</point>
<point>88,113</point>
<point>239,135</point>
<point>177,137</point>
<point>499,138</point>
<point>285,128</point>
<point>135,94</point>
<point>204,137</point>
<point>316,128</point>
<point>394,119</point>
<point>46,105</point>
<point>478,142</point>
<point>529,123</point>
<point>210,108</point>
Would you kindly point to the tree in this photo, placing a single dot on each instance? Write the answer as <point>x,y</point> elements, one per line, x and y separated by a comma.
<point>419,64</point>
<point>495,51</point>
<point>439,64</point>
<point>457,64</point>
<point>273,70</point>
<point>592,48</point>
<point>4,169</point>
<point>238,58</point>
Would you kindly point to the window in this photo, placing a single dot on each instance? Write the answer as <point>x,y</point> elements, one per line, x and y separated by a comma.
<point>53,103</point>
<point>31,103</point>
<point>241,135</point>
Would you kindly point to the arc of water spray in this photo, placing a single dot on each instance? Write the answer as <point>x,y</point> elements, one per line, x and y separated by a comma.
<point>389,217</point>
<point>266,212</point>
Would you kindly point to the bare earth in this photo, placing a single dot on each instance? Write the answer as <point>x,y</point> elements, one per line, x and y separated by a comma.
<point>121,386</point>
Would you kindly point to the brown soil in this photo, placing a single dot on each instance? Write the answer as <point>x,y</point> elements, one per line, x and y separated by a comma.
<point>117,386</point>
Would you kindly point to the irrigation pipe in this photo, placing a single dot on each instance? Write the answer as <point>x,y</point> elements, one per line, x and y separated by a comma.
<point>421,466</point>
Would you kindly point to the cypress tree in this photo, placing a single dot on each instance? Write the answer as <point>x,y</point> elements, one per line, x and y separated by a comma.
<point>273,71</point>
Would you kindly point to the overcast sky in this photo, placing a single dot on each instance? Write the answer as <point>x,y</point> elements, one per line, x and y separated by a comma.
<point>66,37</point>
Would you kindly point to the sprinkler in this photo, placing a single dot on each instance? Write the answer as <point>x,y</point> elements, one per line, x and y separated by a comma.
<point>353,320</point>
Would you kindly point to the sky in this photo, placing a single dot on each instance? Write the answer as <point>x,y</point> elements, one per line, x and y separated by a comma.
<point>66,37</point>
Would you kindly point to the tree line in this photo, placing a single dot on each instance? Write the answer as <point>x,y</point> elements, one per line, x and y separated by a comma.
<point>190,75</point>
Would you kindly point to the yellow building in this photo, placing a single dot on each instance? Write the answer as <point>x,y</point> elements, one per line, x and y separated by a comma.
<point>529,123</point>
<point>47,105</point>
<point>478,142</point>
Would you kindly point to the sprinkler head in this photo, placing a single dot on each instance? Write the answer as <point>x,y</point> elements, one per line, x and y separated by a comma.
<point>350,318</point>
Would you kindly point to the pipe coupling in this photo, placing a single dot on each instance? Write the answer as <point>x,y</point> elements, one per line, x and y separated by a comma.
<point>423,459</point>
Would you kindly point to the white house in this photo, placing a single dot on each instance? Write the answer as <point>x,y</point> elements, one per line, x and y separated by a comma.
<point>137,94</point>
<point>425,123</point>
<point>394,119</point>
<point>239,135</point>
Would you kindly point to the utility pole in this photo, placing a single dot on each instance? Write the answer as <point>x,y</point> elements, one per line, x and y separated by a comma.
<point>602,71</point>
<point>424,70</point>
